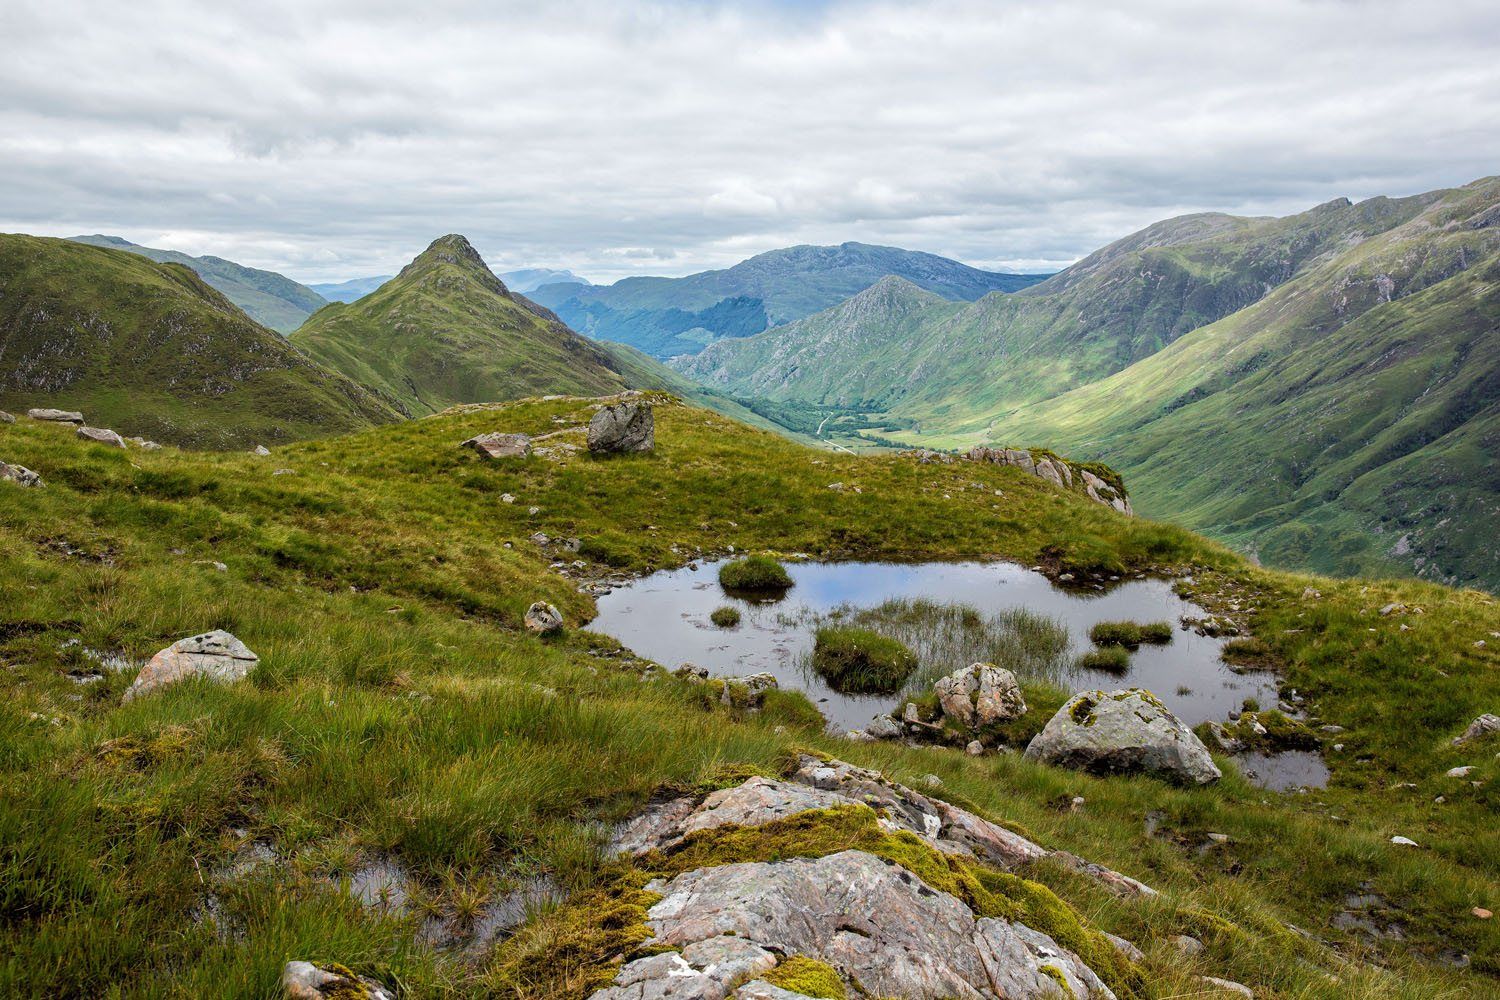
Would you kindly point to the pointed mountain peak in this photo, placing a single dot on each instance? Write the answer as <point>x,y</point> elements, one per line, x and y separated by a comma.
<point>457,251</point>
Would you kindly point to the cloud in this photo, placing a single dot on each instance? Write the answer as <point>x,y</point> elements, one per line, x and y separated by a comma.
<point>335,139</point>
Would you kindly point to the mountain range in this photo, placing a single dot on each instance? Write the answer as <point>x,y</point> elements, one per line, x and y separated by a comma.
<point>1321,388</point>
<point>666,317</point>
<point>272,300</point>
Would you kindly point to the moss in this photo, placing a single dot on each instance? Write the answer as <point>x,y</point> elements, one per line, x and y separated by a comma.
<point>1281,732</point>
<point>809,977</point>
<point>858,661</point>
<point>1057,977</point>
<point>725,617</point>
<point>754,574</point>
<point>1082,711</point>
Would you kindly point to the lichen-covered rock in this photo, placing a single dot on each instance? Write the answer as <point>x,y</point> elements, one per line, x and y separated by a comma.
<point>55,416</point>
<point>981,694</point>
<point>19,474</point>
<point>1481,727</point>
<point>101,435</point>
<point>543,619</point>
<point>500,445</point>
<point>704,970</point>
<point>873,922</point>
<point>629,426</point>
<point>1123,732</point>
<point>215,655</point>
<point>306,981</point>
<point>762,990</point>
<point>7,418</point>
<point>260,451</point>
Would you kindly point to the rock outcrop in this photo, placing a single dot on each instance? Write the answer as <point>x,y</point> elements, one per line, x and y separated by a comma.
<point>306,981</point>
<point>100,435</point>
<point>543,619</point>
<point>628,426</point>
<point>1121,732</point>
<point>215,655</point>
<point>981,694</point>
<point>500,445</point>
<point>7,418</point>
<point>19,474</point>
<point>1487,724</point>
<point>55,416</point>
<point>1057,471</point>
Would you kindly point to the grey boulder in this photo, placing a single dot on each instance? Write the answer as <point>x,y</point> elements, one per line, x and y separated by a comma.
<point>100,435</point>
<point>1481,727</point>
<point>543,619</point>
<point>306,981</point>
<point>1121,732</point>
<point>500,445</point>
<point>629,426</point>
<point>55,416</point>
<point>19,474</point>
<point>7,418</point>
<point>981,694</point>
<point>215,655</point>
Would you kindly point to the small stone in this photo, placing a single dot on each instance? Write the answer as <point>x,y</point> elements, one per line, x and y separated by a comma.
<point>974,749</point>
<point>215,655</point>
<point>7,418</point>
<point>1394,608</point>
<point>1187,944</point>
<point>1460,772</point>
<point>932,781</point>
<point>543,619</point>
<point>1481,913</point>
<point>1404,841</point>
<point>533,511</point>
<point>507,498</point>
<point>306,981</point>
<point>1229,986</point>
<point>19,475</point>
<point>100,435</point>
<point>260,450</point>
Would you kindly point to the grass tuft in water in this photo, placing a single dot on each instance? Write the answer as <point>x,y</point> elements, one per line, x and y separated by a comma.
<point>725,617</point>
<point>859,661</point>
<point>1131,634</point>
<point>755,573</point>
<point>1112,659</point>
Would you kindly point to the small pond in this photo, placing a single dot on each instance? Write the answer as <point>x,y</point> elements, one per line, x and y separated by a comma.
<point>664,617</point>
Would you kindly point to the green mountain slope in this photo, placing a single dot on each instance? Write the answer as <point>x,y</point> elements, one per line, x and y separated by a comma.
<point>446,330</point>
<point>271,299</point>
<point>151,349</point>
<point>1350,421</point>
<point>666,317</point>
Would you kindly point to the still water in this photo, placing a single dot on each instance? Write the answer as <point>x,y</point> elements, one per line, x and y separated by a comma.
<point>664,617</point>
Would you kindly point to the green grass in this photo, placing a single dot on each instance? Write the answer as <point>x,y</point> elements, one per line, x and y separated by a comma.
<point>859,661</point>
<point>1131,634</point>
<point>401,711</point>
<point>725,617</point>
<point>753,574</point>
<point>1112,658</point>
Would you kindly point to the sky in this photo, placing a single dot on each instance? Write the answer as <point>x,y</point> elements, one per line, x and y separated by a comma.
<point>332,140</point>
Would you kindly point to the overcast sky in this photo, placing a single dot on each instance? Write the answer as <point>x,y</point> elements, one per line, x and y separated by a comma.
<point>331,140</point>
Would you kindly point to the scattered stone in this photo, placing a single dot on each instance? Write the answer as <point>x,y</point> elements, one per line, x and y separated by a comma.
<point>623,427</point>
<point>306,981</point>
<point>974,749</point>
<point>1404,841</point>
<point>1124,947</point>
<point>20,475</point>
<point>1229,986</point>
<point>507,498</point>
<point>1481,913</point>
<point>498,445</point>
<point>215,655</point>
<point>1394,608</point>
<point>56,416</point>
<point>7,418</point>
<point>1460,772</point>
<point>1187,944</point>
<point>1483,726</point>
<point>981,694</point>
<point>1311,594</point>
<point>932,781</point>
<point>883,727</point>
<point>260,450</point>
<point>543,619</point>
<point>1123,731</point>
<point>100,435</point>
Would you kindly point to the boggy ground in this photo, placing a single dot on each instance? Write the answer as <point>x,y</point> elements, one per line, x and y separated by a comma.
<point>400,712</point>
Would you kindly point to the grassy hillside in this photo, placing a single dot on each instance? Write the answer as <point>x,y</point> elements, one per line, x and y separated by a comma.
<point>446,330</point>
<point>1347,422</point>
<point>272,300</point>
<point>399,714</point>
<point>670,316</point>
<point>150,349</point>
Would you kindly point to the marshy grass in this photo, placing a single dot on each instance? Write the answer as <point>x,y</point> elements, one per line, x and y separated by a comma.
<point>1131,634</point>
<point>754,574</point>
<point>725,617</point>
<point>1110,659</point>
<point>859,661</point>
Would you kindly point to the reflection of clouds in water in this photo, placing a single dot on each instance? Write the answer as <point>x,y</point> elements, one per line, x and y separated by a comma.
<point>663,616</point>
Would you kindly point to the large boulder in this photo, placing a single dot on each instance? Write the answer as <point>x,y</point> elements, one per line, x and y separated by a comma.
<point>100,435</point>
<point>543,619</point>
<point>1119,732</point>
<point>306,981</point>
<point>55,416</point>
<point>981,694</point>
<point>623,427</point>
<point>874,922</point>
<point>500,445</point>
<point>216,655</point>
<point>7,418</point>
<point>19,474</point>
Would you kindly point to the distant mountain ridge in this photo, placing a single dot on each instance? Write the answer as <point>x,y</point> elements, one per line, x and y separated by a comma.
<point>349,291</point>
<point>272,300</point>
<point>666,317</point>
<point>151,349</point>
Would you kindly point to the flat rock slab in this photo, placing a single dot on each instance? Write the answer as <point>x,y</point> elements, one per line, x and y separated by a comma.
<point>874,922</point>
<point>1123,732</point>
<point>216,655</point>
<point>56,416</point>
<point>19,475</point>
<point>100,435</point>
<point>500,445</point>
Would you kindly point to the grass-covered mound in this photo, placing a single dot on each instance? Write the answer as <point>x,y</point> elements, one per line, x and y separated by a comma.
<point>1113,659</point>
<point>1131,634</point>
<point>399,711</point>
<point>754,574</point>
<point>859,661</point>
<point>725,617</point>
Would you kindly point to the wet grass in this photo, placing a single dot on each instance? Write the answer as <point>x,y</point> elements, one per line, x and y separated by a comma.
<point>1131,634</point>
<point>725,617</point>
<point>754,574</point>
<point>859,661</point>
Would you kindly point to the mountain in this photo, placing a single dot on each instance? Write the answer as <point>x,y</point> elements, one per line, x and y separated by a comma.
<point>666,317</point>
<point>1318,388</point>
<point>348,291</point>
<point>446,330</point>
<point>529,279</point>
<point>271,299</point>
<point>150,349</point>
